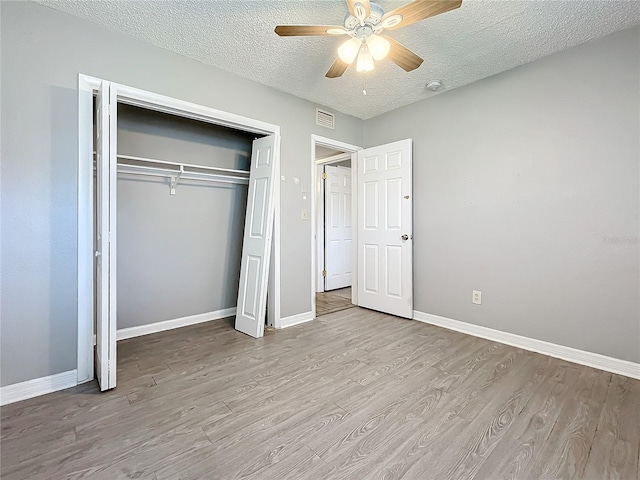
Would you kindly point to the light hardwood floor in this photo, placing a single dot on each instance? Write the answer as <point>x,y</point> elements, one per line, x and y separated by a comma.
<point>333,301</point>
<point>353,395</point>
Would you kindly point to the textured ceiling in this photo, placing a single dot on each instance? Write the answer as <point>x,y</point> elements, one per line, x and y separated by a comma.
<point>479,39</point>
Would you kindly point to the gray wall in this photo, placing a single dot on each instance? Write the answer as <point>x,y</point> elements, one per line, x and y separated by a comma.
<point>42,53</point>
<point>179,254</point>
<point>527,188</point>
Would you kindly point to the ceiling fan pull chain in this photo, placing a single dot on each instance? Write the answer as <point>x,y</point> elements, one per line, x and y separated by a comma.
<point>364,87</point>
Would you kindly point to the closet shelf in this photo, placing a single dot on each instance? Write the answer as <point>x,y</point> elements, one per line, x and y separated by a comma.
<point>175,171</point>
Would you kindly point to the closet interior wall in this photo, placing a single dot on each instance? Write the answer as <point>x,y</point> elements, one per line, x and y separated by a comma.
<point>178,255</point>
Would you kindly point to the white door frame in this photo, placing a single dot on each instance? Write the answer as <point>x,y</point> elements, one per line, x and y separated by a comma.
<point>87,87</point>
<point>319,192</point>
<point>317,140</point>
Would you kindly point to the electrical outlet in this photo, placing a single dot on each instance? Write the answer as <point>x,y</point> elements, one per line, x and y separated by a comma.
<point>477,297</point>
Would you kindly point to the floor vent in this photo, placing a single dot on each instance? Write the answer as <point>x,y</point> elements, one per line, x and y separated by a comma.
<point>325,119</point>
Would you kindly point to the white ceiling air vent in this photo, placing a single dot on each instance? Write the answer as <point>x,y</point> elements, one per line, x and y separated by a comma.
<point>325,119</point>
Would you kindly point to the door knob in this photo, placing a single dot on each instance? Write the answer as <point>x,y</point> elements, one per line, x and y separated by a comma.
<point>405,237</point>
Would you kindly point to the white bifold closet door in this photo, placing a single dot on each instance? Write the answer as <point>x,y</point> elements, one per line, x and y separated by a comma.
<point>385,229</point>
<point>256,247</point>
<point>338,235</point>
<point>106,171</point>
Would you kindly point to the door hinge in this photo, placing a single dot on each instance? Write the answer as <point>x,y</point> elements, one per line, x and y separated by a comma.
<point>324,273</point>
<point>324,175</point>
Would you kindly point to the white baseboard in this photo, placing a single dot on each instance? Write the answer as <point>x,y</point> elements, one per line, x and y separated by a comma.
<point>296,319</point>
<point>582,357</point>
<point>131,332</point>
<point>38,386</point>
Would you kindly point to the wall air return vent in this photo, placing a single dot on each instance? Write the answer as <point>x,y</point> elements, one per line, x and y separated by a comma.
<point>325,119</point>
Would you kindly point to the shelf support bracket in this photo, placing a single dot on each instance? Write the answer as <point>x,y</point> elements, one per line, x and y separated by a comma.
<point>174,180</point>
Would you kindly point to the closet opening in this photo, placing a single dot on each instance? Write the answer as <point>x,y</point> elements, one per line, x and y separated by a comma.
<point>177,220</point>
<point>182,197</point>
<point>181,202</point>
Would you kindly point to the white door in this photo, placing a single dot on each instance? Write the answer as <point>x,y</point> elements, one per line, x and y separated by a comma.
<point>385,228</point>
<point>106,170</point>
<point>338,234</point>
<point>256,248</point>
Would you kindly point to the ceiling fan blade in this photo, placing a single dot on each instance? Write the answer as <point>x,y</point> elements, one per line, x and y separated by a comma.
<point>308,30</point>
<point>337,69</point>
<point>402,56</point>
<point>359,12</point>
<point>419,10</point>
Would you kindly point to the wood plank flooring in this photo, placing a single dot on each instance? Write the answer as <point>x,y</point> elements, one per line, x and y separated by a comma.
<point>353,395</point>
<point>333,301</point>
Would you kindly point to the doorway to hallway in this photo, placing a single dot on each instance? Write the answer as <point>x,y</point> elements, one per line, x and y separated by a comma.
<point>333,301</point>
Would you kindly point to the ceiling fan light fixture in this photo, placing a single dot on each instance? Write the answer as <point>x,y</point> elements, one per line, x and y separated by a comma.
<point>365,59</point>
<point>378,46</point>
<point>348,51</point>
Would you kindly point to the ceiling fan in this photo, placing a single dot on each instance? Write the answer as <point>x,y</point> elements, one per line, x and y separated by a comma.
<point>364,23</point>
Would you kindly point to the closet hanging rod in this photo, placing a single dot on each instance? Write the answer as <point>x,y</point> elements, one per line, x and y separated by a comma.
<point>168,172</point>
<point>242,173</point>
<point>187,176</point>
<point>179,174</point>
